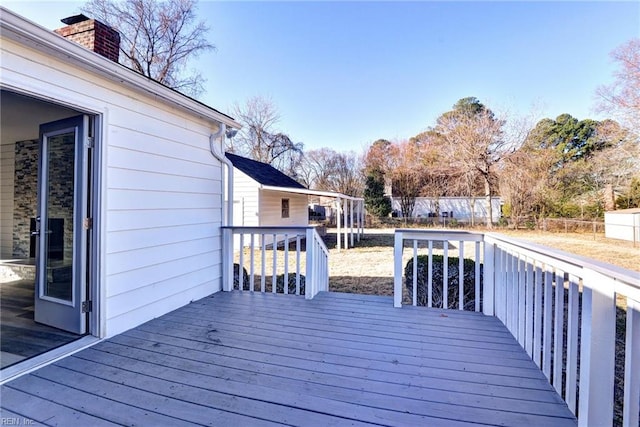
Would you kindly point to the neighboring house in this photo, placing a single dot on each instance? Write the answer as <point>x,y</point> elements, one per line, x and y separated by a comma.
<point>623,224</point>
<point>265,197</point>
<point>110,190</point>
<point>462,209</point>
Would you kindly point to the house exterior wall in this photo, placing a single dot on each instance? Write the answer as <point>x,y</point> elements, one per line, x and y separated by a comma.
<point>245,200</point>
<point>160,212</point>
<point>622,225</point>
<point>460,206</point>
<point>271,209</point>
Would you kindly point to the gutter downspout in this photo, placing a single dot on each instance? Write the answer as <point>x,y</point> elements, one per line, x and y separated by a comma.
<point>218,153</point>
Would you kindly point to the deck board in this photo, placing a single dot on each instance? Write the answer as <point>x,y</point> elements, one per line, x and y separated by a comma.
<point>263,359</point>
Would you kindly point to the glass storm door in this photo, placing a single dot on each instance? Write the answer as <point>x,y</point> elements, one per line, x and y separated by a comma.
<point>61,240</point>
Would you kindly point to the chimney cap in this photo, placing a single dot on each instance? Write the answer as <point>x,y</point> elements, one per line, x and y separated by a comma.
<point>75,19</point>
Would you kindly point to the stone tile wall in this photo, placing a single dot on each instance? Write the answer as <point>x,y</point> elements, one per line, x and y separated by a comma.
<point>61,192</point>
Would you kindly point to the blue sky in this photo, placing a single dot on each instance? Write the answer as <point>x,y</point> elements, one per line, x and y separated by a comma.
<point>344,74</point>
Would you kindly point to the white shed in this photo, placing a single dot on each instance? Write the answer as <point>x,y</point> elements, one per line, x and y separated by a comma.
<point>111,200</point>
<point>260,196</point>
<point>623,224</point>
<point>263,196</point>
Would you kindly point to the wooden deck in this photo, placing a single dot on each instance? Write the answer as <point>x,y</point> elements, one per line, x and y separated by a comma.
<point>263,359</point>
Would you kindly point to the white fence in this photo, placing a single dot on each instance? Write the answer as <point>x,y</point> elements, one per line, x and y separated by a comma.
<point>531,289</point>
<point>268,265</point>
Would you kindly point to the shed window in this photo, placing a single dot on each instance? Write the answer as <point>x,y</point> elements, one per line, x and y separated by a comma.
<point>285,208</point>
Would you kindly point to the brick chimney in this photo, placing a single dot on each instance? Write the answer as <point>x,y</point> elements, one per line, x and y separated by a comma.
<point>92,34</point>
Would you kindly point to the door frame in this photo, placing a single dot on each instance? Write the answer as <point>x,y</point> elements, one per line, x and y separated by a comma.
<point>97,274</point>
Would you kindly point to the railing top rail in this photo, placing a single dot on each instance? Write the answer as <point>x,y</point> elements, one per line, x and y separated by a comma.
<point>435,234</point>
<point>267,229</point>
<point>630,277</point>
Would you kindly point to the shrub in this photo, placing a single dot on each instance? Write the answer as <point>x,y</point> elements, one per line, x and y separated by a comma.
<point>236,277</point>
<point>292,283</point>
<point>453,282</point>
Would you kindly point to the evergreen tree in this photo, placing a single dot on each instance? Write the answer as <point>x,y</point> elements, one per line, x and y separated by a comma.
<point>375,201</point>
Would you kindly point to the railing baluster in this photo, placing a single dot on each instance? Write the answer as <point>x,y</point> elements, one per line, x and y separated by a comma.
<point>558,332</point>
<point>445,275</point>
<point>631,366</point>
<point>572,344</point>
<point>415,272</point>
<point>521,301</point>
<point>252,260</point>
<point>529,309</point>
<point>508,290</point>
<point>286,264</point>
<point>274,272</point>
<point>263,265</point>
<point>547,328</point>
<point>537,322</point>
<point>461,275</point>
<point>430,276</point>
<point>298,264</point>
<point>241,264</point>
<point>476,294</point>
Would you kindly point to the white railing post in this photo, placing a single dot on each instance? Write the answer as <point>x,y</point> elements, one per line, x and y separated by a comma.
<point>351,223</point>
<point>597,354</point>
<point>632,366</point>
<point>227,259</point>
<point>488,279</point>
<point>346,225</point>
<point>397,269</point>
<point>310,280</point>
<point>338,219</point>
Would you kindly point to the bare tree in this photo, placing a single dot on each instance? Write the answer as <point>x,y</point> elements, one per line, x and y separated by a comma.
<point>157,38</point>
<point>406,172</point>
<point>326,169</point>
<point>258,138</point>
<point>475,143</point>
<point>526,181</point>
<point>622,97</point>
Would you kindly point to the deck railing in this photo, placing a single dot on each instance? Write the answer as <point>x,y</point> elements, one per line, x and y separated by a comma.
<point>289,260</point>
<point>564,310</point>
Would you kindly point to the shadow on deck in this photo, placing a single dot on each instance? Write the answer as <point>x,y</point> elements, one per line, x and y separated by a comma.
<point>259,359</point>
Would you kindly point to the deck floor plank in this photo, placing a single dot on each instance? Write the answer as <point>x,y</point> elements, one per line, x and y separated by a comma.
<point>339,359</point>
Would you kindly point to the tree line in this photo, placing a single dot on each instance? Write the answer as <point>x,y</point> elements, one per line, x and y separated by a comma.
<point>559,167</point>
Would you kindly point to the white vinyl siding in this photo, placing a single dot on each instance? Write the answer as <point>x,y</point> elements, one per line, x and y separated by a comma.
<point>245,200</point>
<point>161,212</point>
<point>271,209</point>
<point>7,168</point>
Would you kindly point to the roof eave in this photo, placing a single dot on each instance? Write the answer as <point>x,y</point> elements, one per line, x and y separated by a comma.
<point>309,192</point>
<point>17,28</point>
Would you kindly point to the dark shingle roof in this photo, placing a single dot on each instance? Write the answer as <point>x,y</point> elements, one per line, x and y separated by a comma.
<point>263,173</point>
